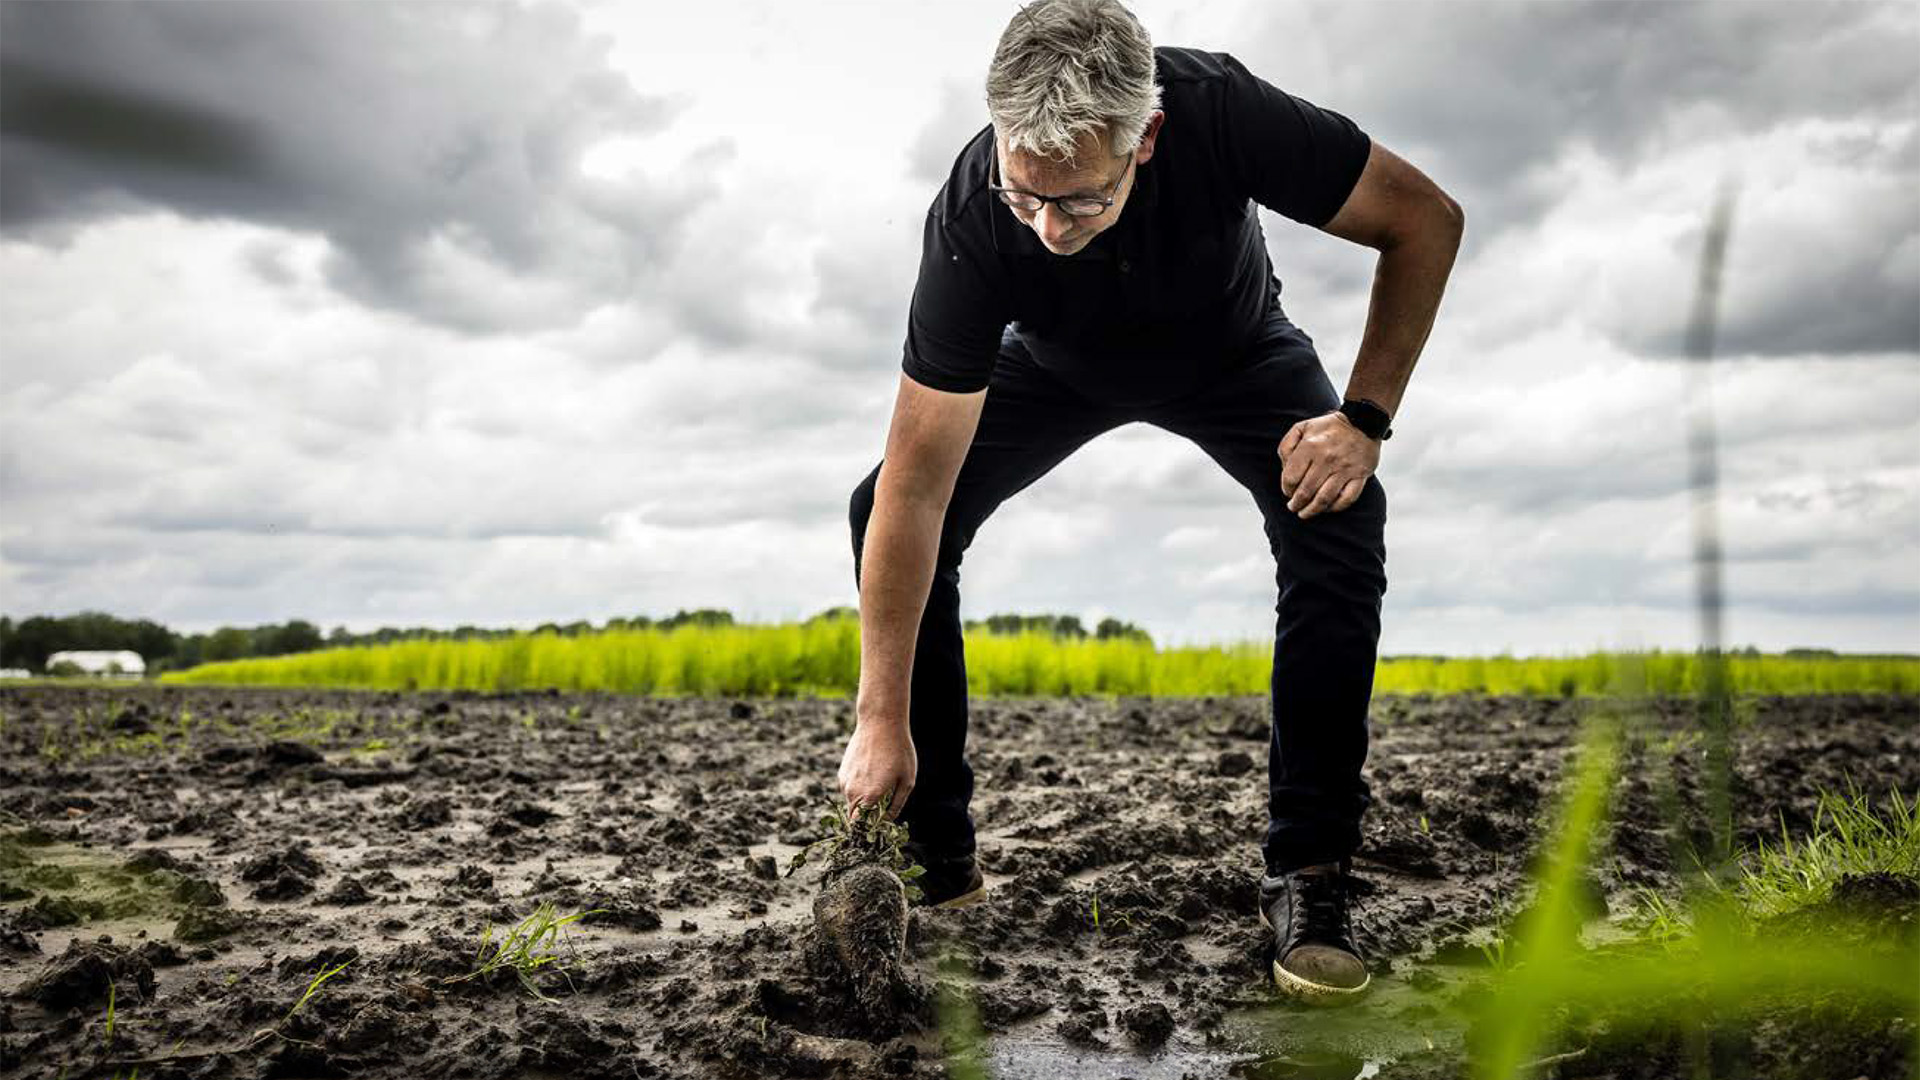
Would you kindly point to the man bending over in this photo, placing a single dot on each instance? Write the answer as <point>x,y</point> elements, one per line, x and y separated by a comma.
<point>1094,258</point>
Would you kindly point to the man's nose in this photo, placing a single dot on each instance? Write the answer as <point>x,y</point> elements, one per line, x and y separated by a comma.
<point>1054,223</point>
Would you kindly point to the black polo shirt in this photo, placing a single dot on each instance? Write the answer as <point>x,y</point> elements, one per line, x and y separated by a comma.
<point>1173,292</point>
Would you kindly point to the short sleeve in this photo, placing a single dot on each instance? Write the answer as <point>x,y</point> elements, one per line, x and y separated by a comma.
<point>957,314</point>
<point>1288,154</point>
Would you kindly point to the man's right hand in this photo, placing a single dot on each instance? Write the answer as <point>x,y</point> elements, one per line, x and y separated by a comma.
<point>879,760</point>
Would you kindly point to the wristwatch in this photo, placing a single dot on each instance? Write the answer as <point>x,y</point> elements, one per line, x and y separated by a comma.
<point>1370,418</point>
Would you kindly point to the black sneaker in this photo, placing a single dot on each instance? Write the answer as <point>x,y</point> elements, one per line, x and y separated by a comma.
<point>1314,956</point>
<point>951,881</point>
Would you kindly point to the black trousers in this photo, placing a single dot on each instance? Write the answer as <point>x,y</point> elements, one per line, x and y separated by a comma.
<point>1330,572</point>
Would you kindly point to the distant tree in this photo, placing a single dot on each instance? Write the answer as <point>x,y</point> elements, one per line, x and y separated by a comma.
<point>226,643</point>
<point>1060,626</point>
<point>33,639</point>
<point>294,637</point>
<point>1111,628</point>
<point>301,636</point>
<point>189,651</point>
<point>29,642</point>
<point>834,614</point>
<point>697,617</point>
<point>153,641</point>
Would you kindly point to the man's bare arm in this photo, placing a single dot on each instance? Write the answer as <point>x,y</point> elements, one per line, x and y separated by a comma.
<point>1396,210</point>
<point>926,443</point>
<point>1416,227</point>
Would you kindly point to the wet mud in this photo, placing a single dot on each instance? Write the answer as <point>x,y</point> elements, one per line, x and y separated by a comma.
<point>179,866</point>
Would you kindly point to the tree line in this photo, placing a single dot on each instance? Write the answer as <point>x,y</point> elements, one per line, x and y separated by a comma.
<point>28,642</point>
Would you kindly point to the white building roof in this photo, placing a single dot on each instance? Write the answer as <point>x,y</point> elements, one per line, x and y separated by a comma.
<point>101,661</point>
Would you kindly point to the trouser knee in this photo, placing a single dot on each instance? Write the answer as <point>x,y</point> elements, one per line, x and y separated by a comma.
<point>1342,553</point>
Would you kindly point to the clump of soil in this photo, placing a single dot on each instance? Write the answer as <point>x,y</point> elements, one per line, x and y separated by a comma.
<point>85,974</point>
<point>1149,1025</point>
<point>1876,906</point>
<point>283,874</point>
<point>861,916</point>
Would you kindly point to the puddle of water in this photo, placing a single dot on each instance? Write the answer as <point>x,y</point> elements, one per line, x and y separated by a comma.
<point>1278,1042</point>
<point>1036,1058</point>
<point>1039,1058</point>
<point>1396,1019</point>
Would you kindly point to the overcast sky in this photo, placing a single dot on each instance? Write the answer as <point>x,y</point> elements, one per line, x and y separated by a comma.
<point>504,313</point>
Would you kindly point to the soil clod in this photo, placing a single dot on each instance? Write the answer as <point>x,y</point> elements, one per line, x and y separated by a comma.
<point>81,976</point>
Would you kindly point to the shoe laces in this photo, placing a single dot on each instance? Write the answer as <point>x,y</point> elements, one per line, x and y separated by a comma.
<point>1320,907</point>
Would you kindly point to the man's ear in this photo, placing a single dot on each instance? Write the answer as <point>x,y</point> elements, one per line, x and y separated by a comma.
<point>1145,153</point>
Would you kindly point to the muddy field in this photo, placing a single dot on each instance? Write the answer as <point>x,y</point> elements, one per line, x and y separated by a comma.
<point>207,854</point>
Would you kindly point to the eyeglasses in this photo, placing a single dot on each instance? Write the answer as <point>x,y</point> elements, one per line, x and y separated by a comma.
<point>1070,205</point>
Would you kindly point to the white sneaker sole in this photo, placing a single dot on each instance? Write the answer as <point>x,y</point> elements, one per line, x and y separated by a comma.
<point>1307,990</point>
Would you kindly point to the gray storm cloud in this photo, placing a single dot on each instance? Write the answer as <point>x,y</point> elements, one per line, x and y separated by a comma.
<point>1488,97</point>
<point>435,145</point>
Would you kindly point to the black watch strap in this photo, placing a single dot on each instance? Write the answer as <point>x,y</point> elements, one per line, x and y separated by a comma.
<point>1371,419</point>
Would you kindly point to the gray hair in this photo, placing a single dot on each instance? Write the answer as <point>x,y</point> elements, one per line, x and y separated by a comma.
<point>1069,68</point>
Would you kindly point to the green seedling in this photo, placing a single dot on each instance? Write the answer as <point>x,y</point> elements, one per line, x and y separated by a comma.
<point>1497,954</point>
<point>1658,919</point>
<point>314,987</point>
<point>526,949</point>
<point>1116,918</point>
<point>1848,837</point>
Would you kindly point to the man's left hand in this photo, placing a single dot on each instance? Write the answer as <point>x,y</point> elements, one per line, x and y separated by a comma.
<point>1324,464</point>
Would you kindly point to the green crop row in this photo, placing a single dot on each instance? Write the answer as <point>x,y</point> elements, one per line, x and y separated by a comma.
<point>823,657</point>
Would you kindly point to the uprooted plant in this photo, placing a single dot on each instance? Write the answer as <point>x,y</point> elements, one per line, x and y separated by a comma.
<point>860,913</point>
<point>862,834</point>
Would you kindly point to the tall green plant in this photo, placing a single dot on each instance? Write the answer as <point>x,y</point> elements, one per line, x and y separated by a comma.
<point>1548,933</point>
<point>823,657</point>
